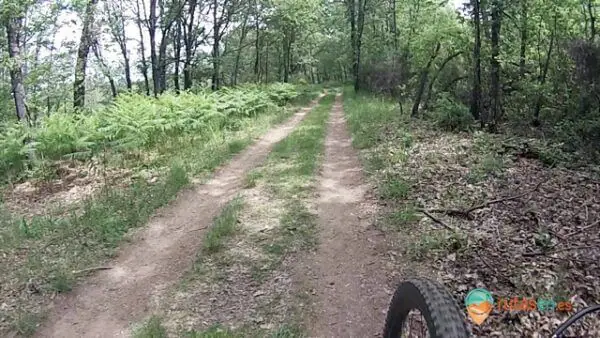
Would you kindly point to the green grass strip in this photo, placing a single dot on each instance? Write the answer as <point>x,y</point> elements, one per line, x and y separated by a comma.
<point>224,225</point>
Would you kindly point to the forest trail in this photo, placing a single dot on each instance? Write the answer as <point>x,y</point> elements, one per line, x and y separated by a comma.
<point>110,301</point>
<point>346,270</point>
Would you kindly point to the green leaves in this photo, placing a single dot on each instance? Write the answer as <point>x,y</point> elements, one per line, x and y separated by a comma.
<point>134,122</point>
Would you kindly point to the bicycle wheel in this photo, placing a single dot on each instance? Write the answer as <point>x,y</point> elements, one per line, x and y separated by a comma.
<point>423,308</point>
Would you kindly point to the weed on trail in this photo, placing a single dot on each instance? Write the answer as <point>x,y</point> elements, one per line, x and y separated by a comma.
<point>240,286</point>
<point>47,254</point>
<point>524,212</point>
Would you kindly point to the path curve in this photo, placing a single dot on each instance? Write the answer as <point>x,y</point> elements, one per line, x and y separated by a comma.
<point>110,301</point>
<point>347,269</point>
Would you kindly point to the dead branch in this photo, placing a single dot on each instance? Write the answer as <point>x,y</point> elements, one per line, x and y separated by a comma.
<point>576,232</point>
<point>467,213</point>
<point>97,268</point>
<point>436,220</point>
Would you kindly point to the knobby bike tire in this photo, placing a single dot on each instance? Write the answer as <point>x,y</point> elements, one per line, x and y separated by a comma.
<point>443,317</point>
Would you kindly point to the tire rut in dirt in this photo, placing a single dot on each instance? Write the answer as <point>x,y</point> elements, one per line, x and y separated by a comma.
<point>349,282</point>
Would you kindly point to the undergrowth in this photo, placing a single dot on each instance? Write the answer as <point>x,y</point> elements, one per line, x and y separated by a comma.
<point>133,123</point>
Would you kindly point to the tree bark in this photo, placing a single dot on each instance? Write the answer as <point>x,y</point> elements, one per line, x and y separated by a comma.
<point>436,75</point>
<point>495,95</point>
<point>117,29</point>
<point>14,27</point>
<point>215,50</point>
<point>104,68</point>
<point>142,47</point>
<point>239,51</point>
<point>177,50</point>
<point>523,51</point>
<point>543,75</point>
<point>423,80</point>
<point>590,10</point>
<point>153,56</point>
<point>476,90</point>
<point>82,55</point>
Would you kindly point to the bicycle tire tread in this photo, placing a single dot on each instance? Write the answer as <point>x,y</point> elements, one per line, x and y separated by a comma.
<point>443,317</point>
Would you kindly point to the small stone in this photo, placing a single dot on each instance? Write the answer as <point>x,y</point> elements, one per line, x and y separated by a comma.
<point>258,293</point>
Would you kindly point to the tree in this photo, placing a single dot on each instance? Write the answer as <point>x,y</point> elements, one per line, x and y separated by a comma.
<point>13,17</point>
<point>116,22</point>
<point>86,41</point>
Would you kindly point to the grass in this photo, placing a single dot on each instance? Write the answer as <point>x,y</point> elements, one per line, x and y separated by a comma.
<point>152,328</point>
<point>381,132</point>
<point>291,167</point>
<point>47,249</point>
<point>224,225</point>
<point>218,331</point>
<point>287,176</point>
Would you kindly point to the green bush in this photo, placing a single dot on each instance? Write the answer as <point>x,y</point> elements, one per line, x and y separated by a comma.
<point>450,115</point>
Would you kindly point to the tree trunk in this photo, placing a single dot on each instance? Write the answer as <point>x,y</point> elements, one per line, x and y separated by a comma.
<point>239,51</point>
<point>524,22</point>
<point>104,68</point>
<point>142,47</point>
<point>153,56</point>
<point>162,62</point>
<point>495,95</point>
<point>394,25</point>
<point>436,75</point>
<point>215,50</point>
<point>476,90</point>
<point>590,10</point>
<point>423,81</point>
<point>189,37</point>
<point>14,28</point>
<point>82,55</point>
<point>177,49</point>
<point>543,75</point>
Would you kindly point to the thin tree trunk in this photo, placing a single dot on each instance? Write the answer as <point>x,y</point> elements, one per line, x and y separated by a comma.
<point>524,22</point>
<point>14,27</point>
<point>239,51</point>
<point>82,55</point>
<point>177,48</point>
<point>435,77</point>
<point>153,56</point>
<point>423,80</point>
<point>215,50</point>
<point>495,95</point>
<point>104,68</point>
<point>162,62</point>
<point>543,75</point>
<point>590,10</point>
<point>476,90</point>
<point>142,47</point>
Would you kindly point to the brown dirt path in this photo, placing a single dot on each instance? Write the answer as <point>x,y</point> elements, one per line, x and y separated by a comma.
<point>349,278</point>
<point>110,301</point>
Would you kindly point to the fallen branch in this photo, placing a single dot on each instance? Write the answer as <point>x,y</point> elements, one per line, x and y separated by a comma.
<point>576,232</point>
<point>98,268</point>
<point>436,220</point>
<point>467,213</point>
<point>541,253</point>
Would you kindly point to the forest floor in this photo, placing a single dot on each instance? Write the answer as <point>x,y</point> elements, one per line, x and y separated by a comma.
<point>293,238</point>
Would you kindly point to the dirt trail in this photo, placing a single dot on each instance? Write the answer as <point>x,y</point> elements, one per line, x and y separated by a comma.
<point>348,274</point>
<point>109,302</point>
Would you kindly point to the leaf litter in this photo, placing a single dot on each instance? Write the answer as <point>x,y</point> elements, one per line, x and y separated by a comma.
<point>544,242</point>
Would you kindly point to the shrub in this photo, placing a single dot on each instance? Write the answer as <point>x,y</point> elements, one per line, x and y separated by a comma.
<point>451,115</point>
